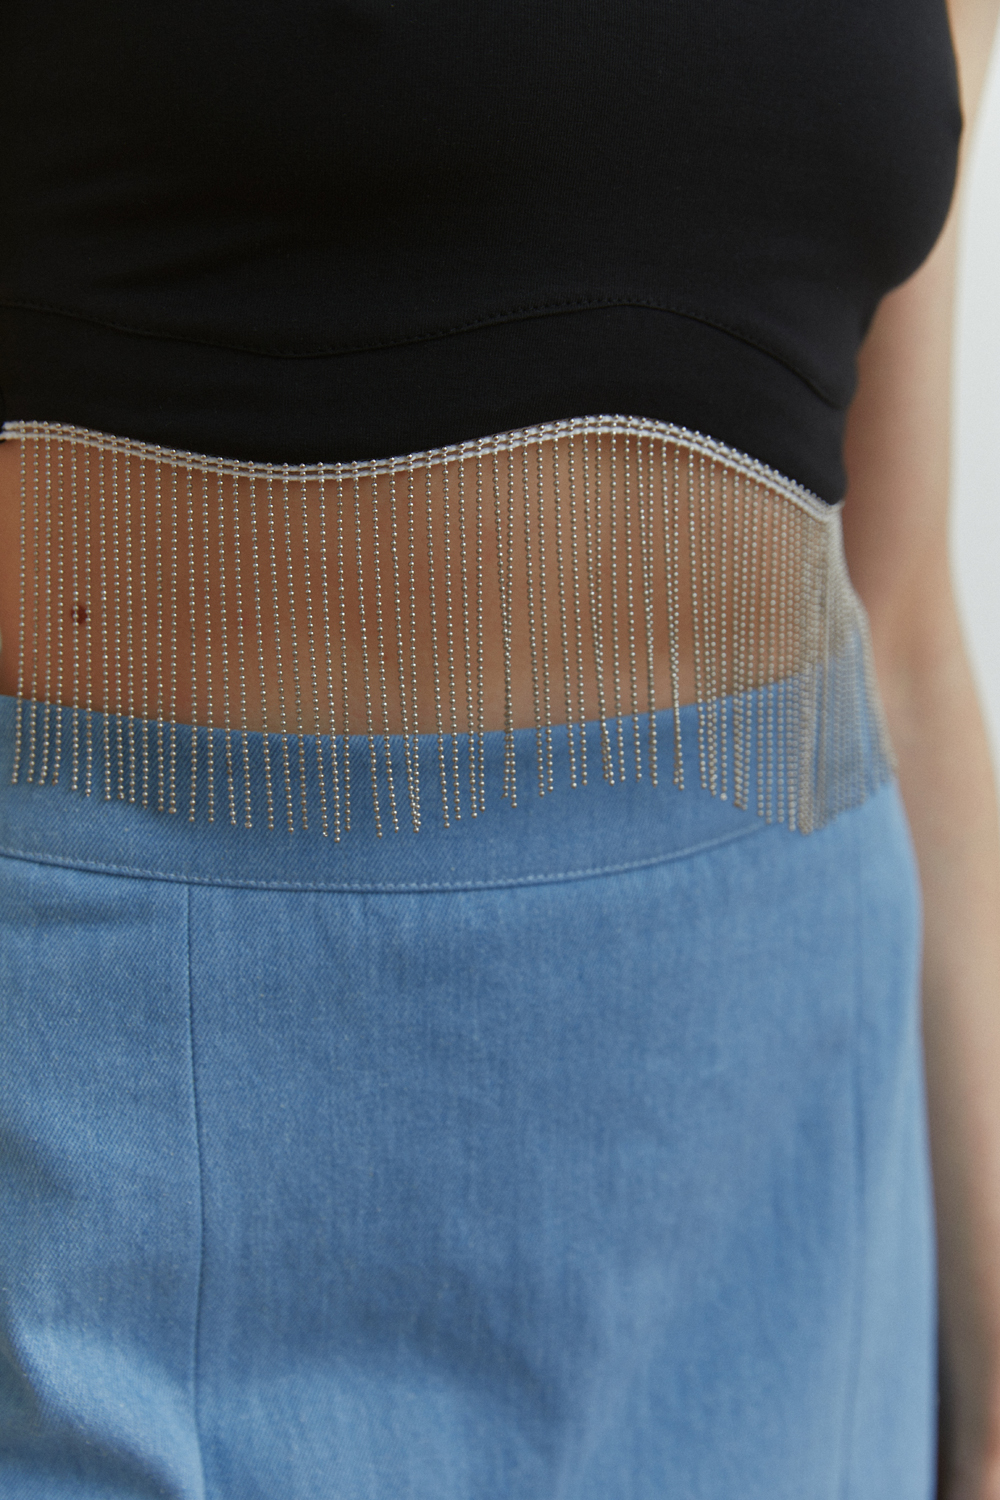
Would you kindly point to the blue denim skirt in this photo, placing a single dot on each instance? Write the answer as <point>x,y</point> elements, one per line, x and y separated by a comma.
<point>575,1151</point>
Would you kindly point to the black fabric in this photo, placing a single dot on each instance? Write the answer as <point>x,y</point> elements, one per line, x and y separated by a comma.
<point>347,228</point>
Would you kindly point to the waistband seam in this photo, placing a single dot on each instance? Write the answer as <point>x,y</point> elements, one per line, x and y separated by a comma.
<point>401,888</point>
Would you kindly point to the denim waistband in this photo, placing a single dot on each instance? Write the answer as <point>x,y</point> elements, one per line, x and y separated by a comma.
<point>563,835</point>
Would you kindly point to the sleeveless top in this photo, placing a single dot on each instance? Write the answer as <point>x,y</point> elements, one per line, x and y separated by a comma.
<point>327,232</point>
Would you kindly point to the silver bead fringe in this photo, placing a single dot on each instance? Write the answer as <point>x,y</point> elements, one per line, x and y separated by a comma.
<point>159,588</point>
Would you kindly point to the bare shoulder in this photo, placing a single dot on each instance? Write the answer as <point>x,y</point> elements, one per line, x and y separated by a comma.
<point>897,447</point>
<point>973,23</point>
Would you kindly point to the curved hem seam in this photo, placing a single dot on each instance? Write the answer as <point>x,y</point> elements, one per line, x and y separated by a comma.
<point>514,315</point>
<point>373,888</point>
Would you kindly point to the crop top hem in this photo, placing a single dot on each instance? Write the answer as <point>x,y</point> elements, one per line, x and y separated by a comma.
<point>420,395</point>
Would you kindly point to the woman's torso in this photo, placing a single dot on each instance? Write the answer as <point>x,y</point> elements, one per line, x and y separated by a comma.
<point>446,224</point>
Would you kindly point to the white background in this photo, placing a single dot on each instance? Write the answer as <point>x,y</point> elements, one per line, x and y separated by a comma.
<point>976,530</point>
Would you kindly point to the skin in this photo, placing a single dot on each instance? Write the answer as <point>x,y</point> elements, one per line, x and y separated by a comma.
<point>540,485</point>
<point>896,535</point>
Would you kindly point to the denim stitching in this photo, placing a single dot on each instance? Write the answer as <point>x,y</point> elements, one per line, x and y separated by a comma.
<point>846,1485</point>
<point>401,887</point>
<point>196,1334</point>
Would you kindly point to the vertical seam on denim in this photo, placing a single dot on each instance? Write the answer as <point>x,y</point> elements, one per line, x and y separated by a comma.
<point>196,1332</point>
<point>857,1265</point>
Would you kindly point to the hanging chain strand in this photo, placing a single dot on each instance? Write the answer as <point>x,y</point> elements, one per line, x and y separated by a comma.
<point>400,651</point>
<point>345,703</point>
<point>432,613</point>
<point>317,727</point>
<point>241,661</point>
<point>616,675</point>
<point>59,606</point>
<point>161,780</point>
<point>480,704</point>
<point>411,525</point>
<point>286,765</point>
<point>646,536</point>
<point>262,676</point>
<point>365,664</point>
<point>324,585</point>
<point>577,611</point>
<point>116,564</point>
<point>156,583</point>
<point>449,616</point>
<point>380,653</point>
<point>466,641</point>
<point>192,645</point>
<point>541,509</point>
<point>633,673</point>
<point>563,630</point>
<point>46,589</point>
<point>294,644</point>
<point>591,522</point>
<point>33,629</point>
<point>227,737</point>
<point>207,610</point>
<point>47,592</point>
<point>79,614</point>
<point>143,634</point>
<point>22,590</point>
<point>129,637</point>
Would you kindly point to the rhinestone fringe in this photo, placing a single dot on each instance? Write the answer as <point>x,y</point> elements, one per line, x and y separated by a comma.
<point>589,558</point>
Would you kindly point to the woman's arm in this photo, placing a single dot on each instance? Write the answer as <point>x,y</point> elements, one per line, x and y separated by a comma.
<point>896,531</point>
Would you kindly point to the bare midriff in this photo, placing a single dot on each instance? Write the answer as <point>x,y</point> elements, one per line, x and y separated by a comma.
<point>490,593</point>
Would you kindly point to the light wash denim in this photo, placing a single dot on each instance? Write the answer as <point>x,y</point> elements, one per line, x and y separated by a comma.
<point>576,1153</point>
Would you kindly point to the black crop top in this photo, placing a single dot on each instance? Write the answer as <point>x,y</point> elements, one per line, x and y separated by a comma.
<point>333,229</point>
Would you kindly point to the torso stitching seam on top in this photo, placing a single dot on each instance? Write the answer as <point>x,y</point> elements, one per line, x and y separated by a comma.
<point>510,315</point>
